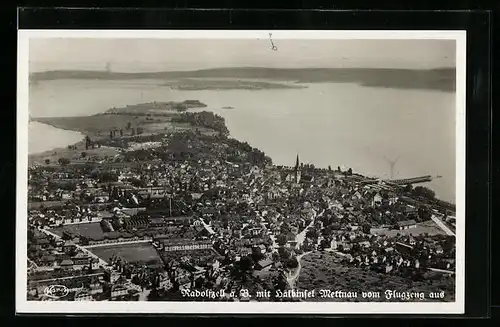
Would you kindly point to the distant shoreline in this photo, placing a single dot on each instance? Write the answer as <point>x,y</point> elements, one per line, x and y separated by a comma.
<point>442,79</point>
<point>87,126</point>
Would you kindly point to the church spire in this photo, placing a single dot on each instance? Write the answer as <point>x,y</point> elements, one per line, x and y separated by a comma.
<point>297,170</point>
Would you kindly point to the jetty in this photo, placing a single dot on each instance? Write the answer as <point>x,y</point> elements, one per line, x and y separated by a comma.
<point>404,181</point>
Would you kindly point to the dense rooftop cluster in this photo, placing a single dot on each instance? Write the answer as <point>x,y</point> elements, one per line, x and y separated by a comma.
<point>216,214</point>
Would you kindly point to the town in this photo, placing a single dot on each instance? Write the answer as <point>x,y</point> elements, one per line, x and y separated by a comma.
<point>140,214</point>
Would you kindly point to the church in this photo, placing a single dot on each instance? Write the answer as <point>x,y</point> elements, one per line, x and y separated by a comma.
<point>296,175</point>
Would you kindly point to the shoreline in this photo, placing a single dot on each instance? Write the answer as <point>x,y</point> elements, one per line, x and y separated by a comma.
<point>441,79</point>
<point>56,147</point>
<point>64,152</point>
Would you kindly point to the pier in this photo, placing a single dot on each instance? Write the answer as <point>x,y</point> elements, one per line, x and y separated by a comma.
<point>413,180</point>
<point>405,181</point>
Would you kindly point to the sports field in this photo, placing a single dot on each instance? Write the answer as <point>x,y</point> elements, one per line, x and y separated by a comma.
<point>91,230</point>
<point>138,252</point>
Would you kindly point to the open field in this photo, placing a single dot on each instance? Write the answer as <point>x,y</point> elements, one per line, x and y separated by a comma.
<point>428,227</point>
<point>139,252</point>
<point>99,125</point>
<point>97,128</point>
<point>72,154</point>
<point>90,230</point>
<point>325,271</point>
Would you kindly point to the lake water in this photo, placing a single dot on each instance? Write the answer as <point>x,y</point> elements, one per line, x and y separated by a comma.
<point>326,124</point>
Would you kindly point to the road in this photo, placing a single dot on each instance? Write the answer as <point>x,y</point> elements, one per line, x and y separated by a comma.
<point>445,228</point>
<point>442,271</point>
<point>115,243</point>
<point>207,227</point>
<point>293,278</point>
<point>67,277</point>
<point>101,262</point>
<point>273,238</point>
<point>34,264</point>
<point>143,296</point>
<point>302,235</point>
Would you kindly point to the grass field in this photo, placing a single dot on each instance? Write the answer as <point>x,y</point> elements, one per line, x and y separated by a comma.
<point>140,252</point>
<point>325,271</point>
<point>90,230</point>
<point>97,127</point>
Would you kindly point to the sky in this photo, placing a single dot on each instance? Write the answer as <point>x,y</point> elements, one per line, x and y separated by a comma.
<point>192,54</point>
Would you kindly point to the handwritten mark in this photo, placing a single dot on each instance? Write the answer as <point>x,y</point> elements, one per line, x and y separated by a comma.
<point>273,47</point>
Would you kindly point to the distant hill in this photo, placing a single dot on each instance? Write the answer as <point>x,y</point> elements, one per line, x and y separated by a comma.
<point>437,79</point>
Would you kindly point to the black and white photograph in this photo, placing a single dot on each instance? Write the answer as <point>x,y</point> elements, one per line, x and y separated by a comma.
<point>241,171</point>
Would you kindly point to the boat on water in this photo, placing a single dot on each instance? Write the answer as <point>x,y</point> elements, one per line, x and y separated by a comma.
<point>228,107</point>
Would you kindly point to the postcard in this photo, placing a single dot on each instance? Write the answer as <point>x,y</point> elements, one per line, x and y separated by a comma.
<point>280,172</point>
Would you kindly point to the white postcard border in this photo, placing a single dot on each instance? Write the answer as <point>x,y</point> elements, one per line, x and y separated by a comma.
<point>25,306</point>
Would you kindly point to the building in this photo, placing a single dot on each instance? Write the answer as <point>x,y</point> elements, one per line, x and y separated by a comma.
<point>67,264</point>
<point>263,264</point>
<point>157,222</point>
<point>403,248</point>
<point>297,171</point>
<point>80,259</point>
<point>83,295</point>
<point>406,224</point>
<point>180,220</point>
<point>170,245</point>
<point>118,290</point>
<point>377,199</point>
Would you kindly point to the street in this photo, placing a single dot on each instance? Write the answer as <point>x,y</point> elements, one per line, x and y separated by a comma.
<point>445,228</point>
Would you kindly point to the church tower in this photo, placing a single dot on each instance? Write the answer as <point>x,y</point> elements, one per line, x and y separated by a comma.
<point>297,170</point>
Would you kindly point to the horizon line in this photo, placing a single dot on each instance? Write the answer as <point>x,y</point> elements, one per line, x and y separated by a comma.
<point>246,67</point>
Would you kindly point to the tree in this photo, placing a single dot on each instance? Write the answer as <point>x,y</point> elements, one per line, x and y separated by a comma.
<point>366,228</point>
<point>87,142</point>
<point>47,161</point>
<point>424,213</point>
<point>281,239</point>
<point>424,191</point>
<point>246,263</point>
<point>285,228</point>
<point>66,236</point>
<point>284,253</point>
<point>84,240</point>
<point>408,188</point>
<point>137,182</point>
<point>63,161</point>
<point>129,125</point>
<point>107,177</point>
<point>292,262</point>
<point>257,254</point>
<point>329,168</point>
<point>84,154</point>
<point>312,233</point>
